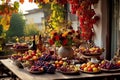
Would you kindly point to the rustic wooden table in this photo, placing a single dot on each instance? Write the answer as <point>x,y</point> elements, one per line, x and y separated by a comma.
<point>25,75</point>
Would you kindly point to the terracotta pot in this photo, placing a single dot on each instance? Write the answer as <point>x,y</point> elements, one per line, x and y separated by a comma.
<point>66,51</point>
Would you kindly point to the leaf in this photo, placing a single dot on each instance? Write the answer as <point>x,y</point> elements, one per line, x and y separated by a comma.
<point>16,5</point>
<point>21,1</point>
<point>46,1</point>
<point>30,0</point>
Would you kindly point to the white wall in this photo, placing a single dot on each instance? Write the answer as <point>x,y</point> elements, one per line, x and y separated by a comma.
<point>35,17</point>
<point>100,38</point>
<point>98,26</point>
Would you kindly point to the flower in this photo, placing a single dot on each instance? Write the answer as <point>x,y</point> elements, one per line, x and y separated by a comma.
<point>65,38</point>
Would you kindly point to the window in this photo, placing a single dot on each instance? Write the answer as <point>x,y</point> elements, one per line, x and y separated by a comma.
<point>115,26</point>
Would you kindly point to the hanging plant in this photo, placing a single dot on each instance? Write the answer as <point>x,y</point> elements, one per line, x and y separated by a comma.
<point>86,14</point>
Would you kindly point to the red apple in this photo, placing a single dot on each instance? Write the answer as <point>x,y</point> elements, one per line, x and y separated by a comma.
<point>90,69</point>
<point>28,57</point>
<point>33,53</point>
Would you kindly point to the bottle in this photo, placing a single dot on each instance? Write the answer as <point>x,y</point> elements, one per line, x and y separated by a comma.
<point>40,43</point>
<point>34,46</point>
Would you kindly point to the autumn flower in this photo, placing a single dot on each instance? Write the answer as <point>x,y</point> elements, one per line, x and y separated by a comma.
<point>65,38</point>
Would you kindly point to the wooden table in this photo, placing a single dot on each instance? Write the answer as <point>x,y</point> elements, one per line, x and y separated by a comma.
<point>24,75</point>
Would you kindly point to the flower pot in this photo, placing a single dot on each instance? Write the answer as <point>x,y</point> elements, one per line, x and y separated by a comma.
<point>66,51</point>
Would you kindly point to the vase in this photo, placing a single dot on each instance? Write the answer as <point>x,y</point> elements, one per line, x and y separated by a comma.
<point>66,52</point>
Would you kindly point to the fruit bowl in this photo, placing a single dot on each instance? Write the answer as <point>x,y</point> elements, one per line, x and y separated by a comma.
<point>69,70</point>
<point>93,51</point>
<point>21,50</point>
<point>90,67</point>
<point>33,71</point>
<point>110,70</point>
<point>109,66</point>
<point>90,72</point>
<point>92,55</point>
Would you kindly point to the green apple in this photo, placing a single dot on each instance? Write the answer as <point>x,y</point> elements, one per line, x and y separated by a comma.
<point>65,63</point>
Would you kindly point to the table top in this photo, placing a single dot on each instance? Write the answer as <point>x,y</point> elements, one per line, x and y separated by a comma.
<point>25,75</point>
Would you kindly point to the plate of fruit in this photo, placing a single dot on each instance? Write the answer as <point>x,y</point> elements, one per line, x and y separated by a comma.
<point>93,51</point>
<point>34,69</point>
<point>92,54</point>
<point>109,66</point>
<point>90,67</point>
<point>68,70</point>
<point>110,70</point>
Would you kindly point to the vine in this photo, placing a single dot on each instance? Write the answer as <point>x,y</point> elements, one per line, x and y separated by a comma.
<point>86,14</point>
<point>6,10</point>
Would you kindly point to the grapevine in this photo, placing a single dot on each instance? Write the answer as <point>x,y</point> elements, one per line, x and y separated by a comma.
<point>6,10</point>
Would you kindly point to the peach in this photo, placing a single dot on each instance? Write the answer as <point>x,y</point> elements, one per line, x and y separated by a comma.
<point>118,62</point>
<point>83,65</point>
<point>92,66</point>
<point>34,57</point>
<point>85,69</point>
<point>61,62</point>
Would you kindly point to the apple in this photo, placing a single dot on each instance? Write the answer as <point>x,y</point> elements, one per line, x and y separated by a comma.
<point>89,63</point>
<point>65,63</point>
<point>103,62</point>
<point>24,58</point>
<point>19,59</point>
<point>96,65</point>
<point>85,69</point>
<point>90,69</point>
<point>56,62</point>
<point>95,69</point>
<point>33,53</point>
<point>57,65</point>
<point>28,57</point>
<point>41,69</point>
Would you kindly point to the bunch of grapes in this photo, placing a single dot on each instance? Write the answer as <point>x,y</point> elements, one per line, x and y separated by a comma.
<point>15,56</point>
<point>34,68</point>
<point>47,57</point>
<point>39,63</point>
<point>108,65</point>
<point>49,68</point>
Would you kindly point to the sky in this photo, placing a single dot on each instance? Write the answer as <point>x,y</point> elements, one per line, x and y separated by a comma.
<point>25,6</point>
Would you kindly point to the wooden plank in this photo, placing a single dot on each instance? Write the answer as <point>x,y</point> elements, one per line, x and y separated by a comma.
<point>24,75</point>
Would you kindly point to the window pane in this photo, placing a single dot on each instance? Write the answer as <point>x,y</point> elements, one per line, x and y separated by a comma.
<point>115,26</point>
